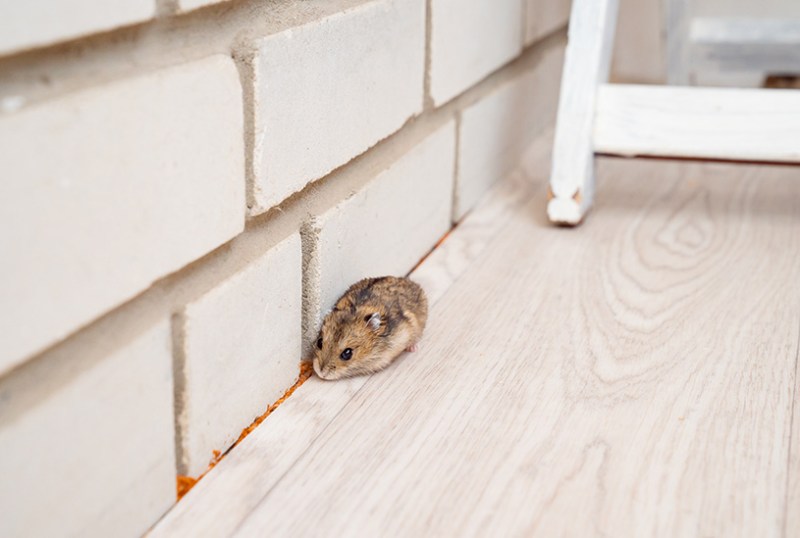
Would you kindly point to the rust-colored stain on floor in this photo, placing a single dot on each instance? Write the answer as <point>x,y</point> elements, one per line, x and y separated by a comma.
<point>186,483</point>
<point>437,245</point>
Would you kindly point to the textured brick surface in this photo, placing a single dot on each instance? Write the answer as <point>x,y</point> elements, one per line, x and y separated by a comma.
<point>94,455</point>
<point>469,40</point>
<point>495,131</point>
<point>108,189</point>
<point>242,351</point>
<point>545,16</point>
<point>329,90</point>
<point>31,23</point>
<point>394,221</point>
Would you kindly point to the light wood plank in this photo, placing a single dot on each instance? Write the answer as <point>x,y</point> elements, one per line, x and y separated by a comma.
<point>629,378</point>
<point>225,496</point>
<point>717,123</point>
<point>586,65</point>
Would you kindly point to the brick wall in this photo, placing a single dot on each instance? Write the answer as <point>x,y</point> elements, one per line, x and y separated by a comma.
<point>188,185</point>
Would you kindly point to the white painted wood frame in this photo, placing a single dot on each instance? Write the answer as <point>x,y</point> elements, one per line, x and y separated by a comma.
<point>586,66</point>
<point>706,123</point>
<point>670,121</point>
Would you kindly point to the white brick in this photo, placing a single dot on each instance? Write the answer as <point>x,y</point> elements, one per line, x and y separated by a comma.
<point>544,17</point>
<point>242,351</point>
<point>495,131</point>
<point>329,90</point>
<point>469,40</point>
<point>31,23</point>
<point>108,189</point>
<point>188,5</point>
<point>94,454</point>
<point>388,226</point>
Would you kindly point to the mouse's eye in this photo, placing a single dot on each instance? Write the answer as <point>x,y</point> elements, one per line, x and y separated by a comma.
<point>347,354</point>
<point>319,343</point>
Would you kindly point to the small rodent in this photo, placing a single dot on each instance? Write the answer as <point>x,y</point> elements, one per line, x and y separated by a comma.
<point>370,326</point>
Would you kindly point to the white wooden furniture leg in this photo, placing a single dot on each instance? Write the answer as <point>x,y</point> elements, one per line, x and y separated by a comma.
<point>586,66</point>
<point>671,121</point>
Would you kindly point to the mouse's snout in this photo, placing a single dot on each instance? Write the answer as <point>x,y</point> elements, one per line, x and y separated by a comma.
<point>315,365</point>
<point>321,371</point>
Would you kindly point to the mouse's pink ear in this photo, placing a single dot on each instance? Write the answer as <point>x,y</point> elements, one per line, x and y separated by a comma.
<point>374,321</point>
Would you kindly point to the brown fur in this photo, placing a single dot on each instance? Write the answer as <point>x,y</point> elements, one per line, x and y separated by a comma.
<point>402,309</point>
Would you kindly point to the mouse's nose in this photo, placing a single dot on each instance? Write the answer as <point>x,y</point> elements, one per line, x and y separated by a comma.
<point>317,369</point>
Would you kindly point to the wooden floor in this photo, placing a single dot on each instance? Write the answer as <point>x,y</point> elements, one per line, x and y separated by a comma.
<point>635,376</point>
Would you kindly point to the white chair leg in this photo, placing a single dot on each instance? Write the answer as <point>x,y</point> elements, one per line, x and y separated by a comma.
<point>586,66</point>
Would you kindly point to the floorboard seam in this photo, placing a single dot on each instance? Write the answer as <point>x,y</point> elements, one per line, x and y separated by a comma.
<point>791,436</point>
<point>298,458</point>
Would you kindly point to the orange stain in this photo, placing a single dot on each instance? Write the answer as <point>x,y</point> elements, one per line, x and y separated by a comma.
<point>436,246</point>
<point>186,483</point>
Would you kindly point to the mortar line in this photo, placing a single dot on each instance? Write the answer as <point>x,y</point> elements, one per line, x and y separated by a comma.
<point>455,198</point>
<point>309,239</point>
<point>178,322</point>
<point>427,98</point>
<point>248,77</point>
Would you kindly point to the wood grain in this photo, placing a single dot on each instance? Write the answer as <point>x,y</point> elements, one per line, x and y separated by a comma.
<point>632,377</point>
<point>716,123</point>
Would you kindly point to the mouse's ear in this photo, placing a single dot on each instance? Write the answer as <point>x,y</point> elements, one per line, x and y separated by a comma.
<point>373,320</point>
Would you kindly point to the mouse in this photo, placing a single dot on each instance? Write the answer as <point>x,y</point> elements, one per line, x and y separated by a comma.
<point>372,324</point>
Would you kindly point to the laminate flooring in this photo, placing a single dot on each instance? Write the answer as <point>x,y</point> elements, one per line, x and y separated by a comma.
<point>634,376</point>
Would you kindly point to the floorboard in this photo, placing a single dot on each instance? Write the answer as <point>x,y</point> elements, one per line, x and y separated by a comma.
<point>634,376</point>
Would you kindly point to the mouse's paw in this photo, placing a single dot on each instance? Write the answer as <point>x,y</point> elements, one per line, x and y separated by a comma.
<point>412,348</point>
